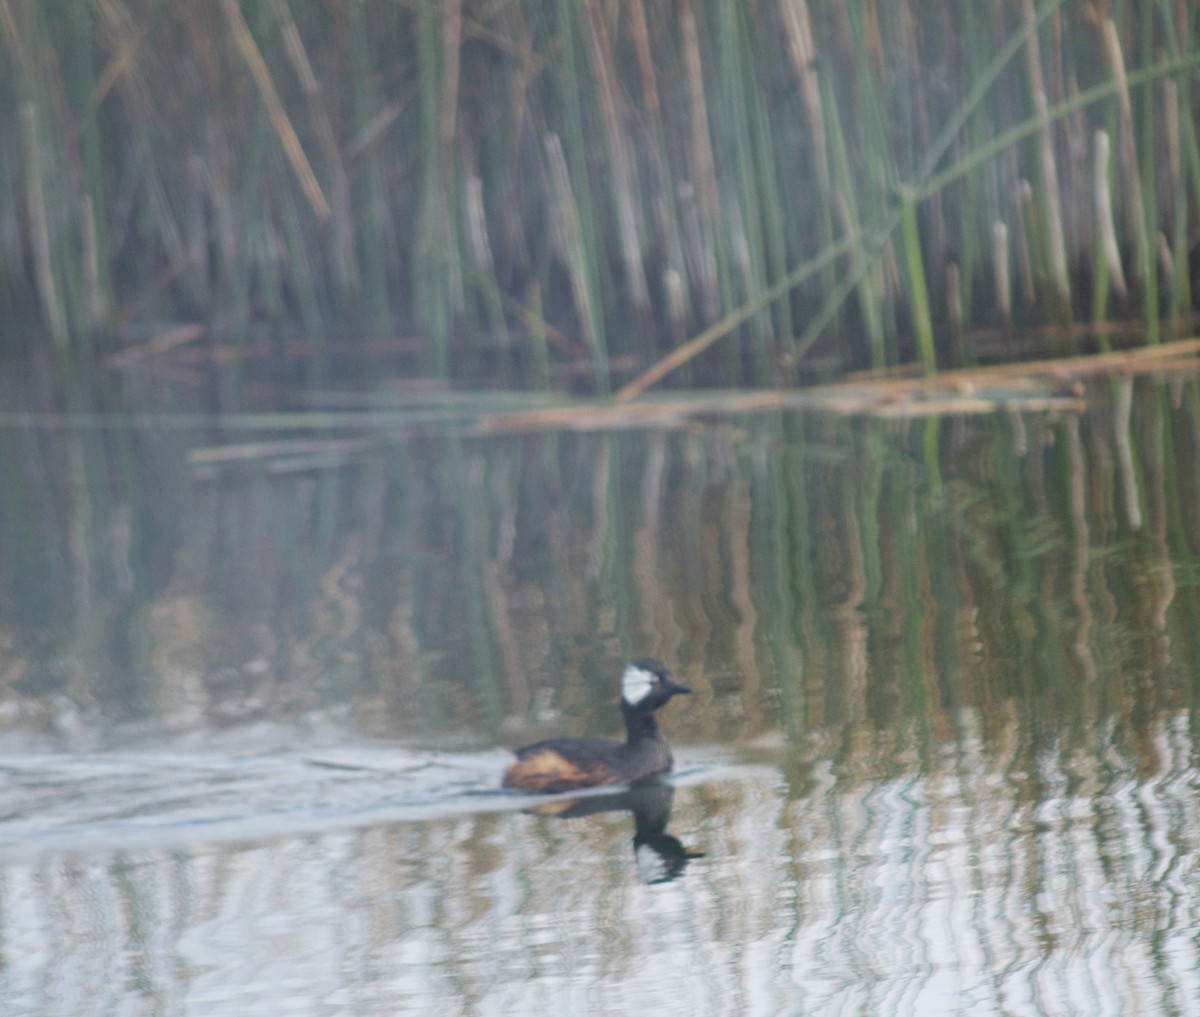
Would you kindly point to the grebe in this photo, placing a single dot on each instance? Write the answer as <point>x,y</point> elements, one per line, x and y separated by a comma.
<point>569,764</point>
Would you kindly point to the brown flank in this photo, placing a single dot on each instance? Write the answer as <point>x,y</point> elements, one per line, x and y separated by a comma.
<point>546,770</point>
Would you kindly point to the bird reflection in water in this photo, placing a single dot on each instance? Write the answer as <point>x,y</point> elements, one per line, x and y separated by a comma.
<point>658,856</point>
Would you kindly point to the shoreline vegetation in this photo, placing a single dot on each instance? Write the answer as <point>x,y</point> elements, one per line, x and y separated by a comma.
<point>596,195</point>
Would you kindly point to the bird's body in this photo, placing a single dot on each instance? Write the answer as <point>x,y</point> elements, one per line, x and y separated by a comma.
<point>569,764</point>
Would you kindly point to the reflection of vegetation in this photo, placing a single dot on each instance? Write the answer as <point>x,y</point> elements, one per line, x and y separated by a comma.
<point>806,572</point>
<point>595,182</point>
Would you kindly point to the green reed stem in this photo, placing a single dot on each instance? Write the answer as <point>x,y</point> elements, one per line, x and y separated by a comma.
<point>1148,158</point>
<point>431,294</point>
<point>918,293</point>
<point>370,189</point>
<point>844,195</point>
<point>575,199</point>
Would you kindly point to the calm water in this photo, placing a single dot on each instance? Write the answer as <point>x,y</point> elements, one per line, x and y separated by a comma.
<point>255,688</point>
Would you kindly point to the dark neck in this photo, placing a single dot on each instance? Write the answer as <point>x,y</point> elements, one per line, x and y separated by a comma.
<point>639,724</point>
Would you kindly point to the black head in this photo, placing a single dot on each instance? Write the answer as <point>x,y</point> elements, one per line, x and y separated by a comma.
<point>646,684</point>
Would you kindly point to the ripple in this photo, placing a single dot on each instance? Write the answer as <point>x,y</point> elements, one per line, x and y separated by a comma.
<point>95,801</point>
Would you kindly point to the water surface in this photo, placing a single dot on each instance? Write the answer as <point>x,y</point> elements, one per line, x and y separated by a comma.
<point>941,756</point>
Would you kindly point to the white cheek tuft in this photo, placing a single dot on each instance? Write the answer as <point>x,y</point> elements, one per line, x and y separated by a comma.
<point>635,684</point>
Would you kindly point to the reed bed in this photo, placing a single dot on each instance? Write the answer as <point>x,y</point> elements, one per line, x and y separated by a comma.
<point>596,193</point>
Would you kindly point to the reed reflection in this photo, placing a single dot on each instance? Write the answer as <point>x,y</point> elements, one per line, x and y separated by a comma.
<point>819,576</point>
<point>963,651</point>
